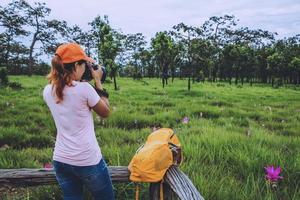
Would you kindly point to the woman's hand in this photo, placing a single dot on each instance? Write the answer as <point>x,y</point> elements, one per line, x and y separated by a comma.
<point>96,74</point>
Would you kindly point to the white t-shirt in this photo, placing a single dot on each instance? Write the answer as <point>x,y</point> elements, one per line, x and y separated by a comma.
<point>76,142</point>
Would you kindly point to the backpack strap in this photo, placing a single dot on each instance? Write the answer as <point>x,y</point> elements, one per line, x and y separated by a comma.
<point>161,192</point>
<point>176,152</point>
<point>172,135</point>
<point>139,148</point>
<point>137,191</point>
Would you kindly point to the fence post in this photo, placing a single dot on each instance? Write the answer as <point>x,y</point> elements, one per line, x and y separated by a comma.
<point>154,192</point>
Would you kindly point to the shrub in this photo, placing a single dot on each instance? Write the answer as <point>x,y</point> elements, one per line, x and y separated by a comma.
<point>220,85</point>
<point>39,141</point>
<point>3,76</point>
<point>41,69</point>
<point>15,85</point>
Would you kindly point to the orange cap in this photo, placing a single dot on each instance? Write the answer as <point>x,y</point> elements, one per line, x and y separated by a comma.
<point>71,52</point>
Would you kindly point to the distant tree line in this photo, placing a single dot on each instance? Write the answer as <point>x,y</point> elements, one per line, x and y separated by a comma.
<point>217,50</point>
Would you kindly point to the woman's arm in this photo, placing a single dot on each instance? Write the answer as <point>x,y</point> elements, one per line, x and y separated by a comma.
<point>102,107</point>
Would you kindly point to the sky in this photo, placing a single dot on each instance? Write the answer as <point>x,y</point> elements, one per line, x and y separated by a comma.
<point>151,16</point>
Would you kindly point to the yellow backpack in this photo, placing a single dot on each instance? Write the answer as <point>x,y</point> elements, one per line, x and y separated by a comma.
<point>152,160</point>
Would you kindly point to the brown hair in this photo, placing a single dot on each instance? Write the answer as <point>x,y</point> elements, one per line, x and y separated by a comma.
<point>61,75</point>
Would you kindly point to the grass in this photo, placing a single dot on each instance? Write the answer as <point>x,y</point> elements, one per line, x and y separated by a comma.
<point>233,133</point>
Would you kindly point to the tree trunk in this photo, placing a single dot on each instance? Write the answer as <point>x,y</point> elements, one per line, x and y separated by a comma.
<point>236,77</point>
<point>180,73</point>
<point>115,82</point>
<point>30,64</point>
<point>6,57</point>
<point>136,72</point>
<point>193,77</point>
<point>189,83</point>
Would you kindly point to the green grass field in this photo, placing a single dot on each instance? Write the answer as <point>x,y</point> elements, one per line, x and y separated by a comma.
<point>233,132</point>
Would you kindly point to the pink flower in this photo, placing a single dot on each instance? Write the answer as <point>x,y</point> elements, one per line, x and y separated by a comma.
<point>154,128</point>
<point>272,174</point>
<point>185,120</point>
<point>48,166</point>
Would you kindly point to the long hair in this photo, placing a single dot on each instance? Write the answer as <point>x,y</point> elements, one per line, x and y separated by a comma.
<point>61,75</point>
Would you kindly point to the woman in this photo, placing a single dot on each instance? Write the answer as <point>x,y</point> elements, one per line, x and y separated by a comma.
<point>77,157</point>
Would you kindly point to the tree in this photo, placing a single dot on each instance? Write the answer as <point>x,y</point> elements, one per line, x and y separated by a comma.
<point>275,62</point>
<point>218,29</point>
<point>185,34</point>
<point>175,58</point>
<point>201,53</point>
<point>227,62</point>
<point>13,23</point>
<point>18,58</point>
<point>84,38</point>
<point>262,63</point>
<point>146,58</point>
<point>44,30</point>
<point>162,45</point>
<point>256,38</point>
<point>134,46</point>
<point>108,45</point>
<point>294,65</point>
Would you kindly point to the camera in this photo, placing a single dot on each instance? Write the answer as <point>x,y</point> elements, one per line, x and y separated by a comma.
<point>87,75</point>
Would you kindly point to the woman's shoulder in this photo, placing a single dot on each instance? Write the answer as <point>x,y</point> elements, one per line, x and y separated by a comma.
<point>83,85</point>
<point>82,88</point>
<point>47,88</point>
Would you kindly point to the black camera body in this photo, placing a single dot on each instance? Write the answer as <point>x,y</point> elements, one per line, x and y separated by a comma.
<point>87,75</point>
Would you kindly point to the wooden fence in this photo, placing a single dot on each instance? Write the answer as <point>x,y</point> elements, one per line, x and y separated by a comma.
<point>176,185</point>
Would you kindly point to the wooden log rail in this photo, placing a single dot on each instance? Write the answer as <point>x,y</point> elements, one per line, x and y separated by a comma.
<point>176,185</point>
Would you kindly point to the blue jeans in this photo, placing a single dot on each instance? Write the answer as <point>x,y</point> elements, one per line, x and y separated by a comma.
<point>95,177</point>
